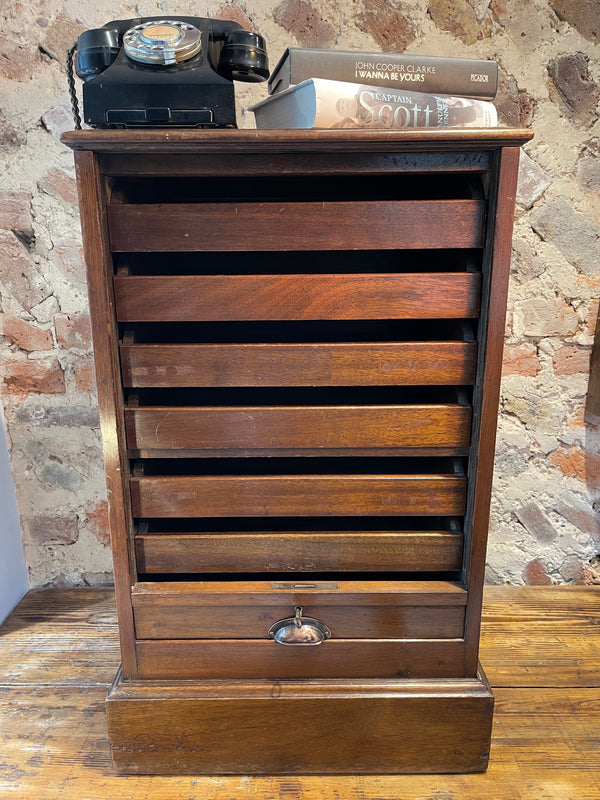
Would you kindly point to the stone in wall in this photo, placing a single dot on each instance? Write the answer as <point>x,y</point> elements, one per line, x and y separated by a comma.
<point>576,235</point>
<point>535,574</point>
<point>516,107</point>
<point>533,181</point>
<point>59,36</point>
<point>583,15</point>
<point>576,92</point>
<point>305,22</point>
<point>391,29</point>
<point>62,529</point>
<point>588,166</point>
<point>460,18</point>
<point>233,13</point>
<point>23,377</point>
<point>19,274</point>
<point>530,24</point>
<point>10,136</point>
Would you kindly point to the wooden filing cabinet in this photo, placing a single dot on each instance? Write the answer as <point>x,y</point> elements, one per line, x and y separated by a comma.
<point>298,341</point>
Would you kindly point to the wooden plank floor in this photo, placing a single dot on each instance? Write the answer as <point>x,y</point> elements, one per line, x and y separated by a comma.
<point>540,649</point>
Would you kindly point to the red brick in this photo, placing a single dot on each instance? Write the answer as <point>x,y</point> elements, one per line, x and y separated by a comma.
<point>535,574</point>
<point>541,317</point>
<point>60,35</point>
<point>581,515</point>
<point>17,61</point>
<point>23,377</point>
<point>9,135</point>
<point>97,517</point>
<point>18,273</point>
<point>85,377</point>
<point>15,211</point>
<point>305,23</point>
<point>458,17</point>
<point>233,13</point>
<point>581,14</point>
<point>73,331</point>
<point>392,31</point>
<point>520,359</point>
<point>53,528</point>
<point>515,106</point>
<point>586,576</point>
<point>571,359</point>
<point>578,463</point>
<point>70,254</point>
<point>535,521</point>
<point>25,335</point>
<point>57,183</point>
<point>593,320</point>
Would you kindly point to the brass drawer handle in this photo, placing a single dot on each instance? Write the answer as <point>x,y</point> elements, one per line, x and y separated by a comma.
<point>299,630</point>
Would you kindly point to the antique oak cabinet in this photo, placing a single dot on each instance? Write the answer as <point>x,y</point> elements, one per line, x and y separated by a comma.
<point>298,341</point>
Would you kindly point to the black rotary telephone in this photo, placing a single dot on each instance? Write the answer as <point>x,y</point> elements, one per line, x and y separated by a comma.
<point>161,73</point>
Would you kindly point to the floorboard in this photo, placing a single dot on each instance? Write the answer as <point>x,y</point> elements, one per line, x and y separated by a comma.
<point>540,649</point>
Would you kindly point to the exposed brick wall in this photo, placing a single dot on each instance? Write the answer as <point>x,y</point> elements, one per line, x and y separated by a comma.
<point>545,527</point>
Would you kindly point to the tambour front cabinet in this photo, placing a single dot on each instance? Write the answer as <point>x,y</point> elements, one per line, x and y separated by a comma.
<point>298,341</point>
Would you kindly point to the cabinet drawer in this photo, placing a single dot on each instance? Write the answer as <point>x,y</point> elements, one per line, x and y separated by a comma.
<point>292,495</point>
<point>301,551</point>
<point>183,659</point>
<point>221,629</point>
<point>350,609</point>
<point>356,364</point>
<point>201,298</point>
<point>285,428</point>
<point>326,225</point>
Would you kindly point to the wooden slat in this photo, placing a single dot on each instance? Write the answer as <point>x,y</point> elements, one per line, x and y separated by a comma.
<point>302,552</point>
<point>355,610</point>
<point>265,593</point>
<point>188,298</point>
<point>253,142</point>
<point>53,721</point>
<point>184,659</point>
<point>206,227</point>
<point>291,495</point>
<point>276,164</point>
<point>298,427</point>
<point>357,364</point>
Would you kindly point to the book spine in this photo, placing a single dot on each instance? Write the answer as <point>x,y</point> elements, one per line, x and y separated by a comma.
<point>346,105</point>
<point>429,74</point>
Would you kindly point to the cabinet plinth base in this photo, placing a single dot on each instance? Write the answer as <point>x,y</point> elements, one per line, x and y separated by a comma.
<point>300,727</point>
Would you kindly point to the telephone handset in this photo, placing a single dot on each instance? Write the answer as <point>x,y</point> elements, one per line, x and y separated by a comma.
<point>159,72</point>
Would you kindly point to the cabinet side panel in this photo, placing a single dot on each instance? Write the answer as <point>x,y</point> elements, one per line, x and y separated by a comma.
<point>494,298</point>
<point>106,357</point>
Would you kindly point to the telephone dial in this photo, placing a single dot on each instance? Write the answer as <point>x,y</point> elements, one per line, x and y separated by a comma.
<point>158,72</point>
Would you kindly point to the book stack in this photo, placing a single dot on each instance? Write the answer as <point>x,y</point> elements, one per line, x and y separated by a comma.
<point>347,89</point>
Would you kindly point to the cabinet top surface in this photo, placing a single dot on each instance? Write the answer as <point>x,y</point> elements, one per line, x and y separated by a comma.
<point>215,140</point>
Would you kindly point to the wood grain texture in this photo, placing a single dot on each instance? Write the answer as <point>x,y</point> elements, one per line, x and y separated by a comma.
<point>292,495</point>
<point>251,659</point>
<point>356,364</point>
<point>316,164</point>
<point>487,392</point>
<point>92,200</point>
<point>355,610</point>
<point>284,428</point>
<point>544,737</point>
<point>225,227</point>
<point>313,141</point>
<point>159,298</point>
<point>367,730</point>
<point>283,551</point>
